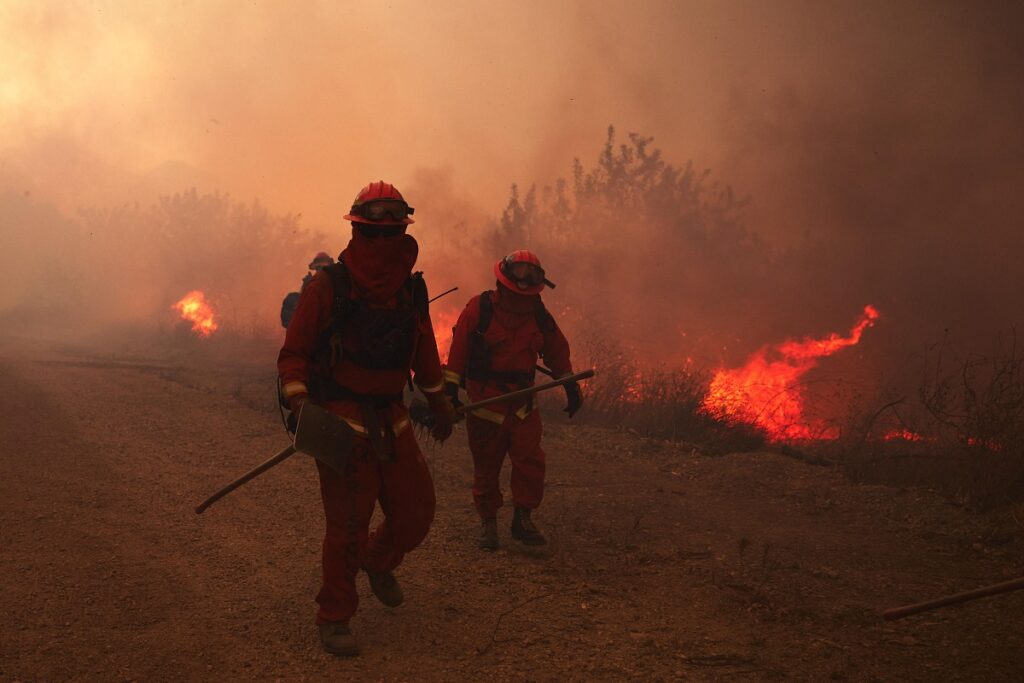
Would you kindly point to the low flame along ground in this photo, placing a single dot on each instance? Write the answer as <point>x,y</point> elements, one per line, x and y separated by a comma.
<point>194,308</point>
<point>766,390</point>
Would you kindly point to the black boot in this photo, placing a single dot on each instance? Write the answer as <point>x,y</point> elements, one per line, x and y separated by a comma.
<point>489,535</point>
<point>385,586</point>
<point>337,639</point>
<point>524,530</point>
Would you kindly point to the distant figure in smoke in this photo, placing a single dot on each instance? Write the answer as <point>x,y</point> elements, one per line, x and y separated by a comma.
<point>495,346</point>
<point>320,261</point>
<point>361,329</point>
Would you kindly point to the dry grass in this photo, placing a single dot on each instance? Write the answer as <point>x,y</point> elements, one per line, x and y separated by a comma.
<point>963,431</point>
<point>656,402</point>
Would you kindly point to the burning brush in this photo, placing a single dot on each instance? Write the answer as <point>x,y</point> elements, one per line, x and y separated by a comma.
<point>194,308</point>
<point>766,393</point>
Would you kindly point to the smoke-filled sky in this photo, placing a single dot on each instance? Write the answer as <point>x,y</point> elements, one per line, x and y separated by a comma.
<point>888,133</point>
<point>300,103</point>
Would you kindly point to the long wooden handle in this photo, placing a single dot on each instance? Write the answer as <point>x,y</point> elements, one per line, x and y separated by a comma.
<point>248,476</point>
<point>586,374</point>
<point>966,596</point>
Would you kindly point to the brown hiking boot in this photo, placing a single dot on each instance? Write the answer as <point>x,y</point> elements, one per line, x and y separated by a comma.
<point>489,535</point>
<point>524,530</point>
<point>337,639</point>
<point>385,587</point>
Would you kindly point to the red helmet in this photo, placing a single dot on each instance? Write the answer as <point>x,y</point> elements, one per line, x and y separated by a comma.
<point>321,260</point>
<point>522,273</point>
<point>380,203</point>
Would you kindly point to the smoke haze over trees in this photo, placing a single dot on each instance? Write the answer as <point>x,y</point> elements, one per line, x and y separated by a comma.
<point>872,149</point>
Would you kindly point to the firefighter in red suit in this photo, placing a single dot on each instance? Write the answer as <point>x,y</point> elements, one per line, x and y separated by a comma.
<point>495,346</point>
<point>360,330</point>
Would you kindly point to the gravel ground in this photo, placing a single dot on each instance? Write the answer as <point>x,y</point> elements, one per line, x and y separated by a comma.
<point>663,564</point>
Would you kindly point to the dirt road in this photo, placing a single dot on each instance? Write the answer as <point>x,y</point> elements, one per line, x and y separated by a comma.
<point>664,564</point>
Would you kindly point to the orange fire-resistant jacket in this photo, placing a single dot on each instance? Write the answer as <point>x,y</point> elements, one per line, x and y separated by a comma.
<point>312,316</point>
<point>515,340</point>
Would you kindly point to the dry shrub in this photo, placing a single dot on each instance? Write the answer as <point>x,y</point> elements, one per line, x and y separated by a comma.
<point>963,432</point>
<point>978,399</point>
<point>127,264</point>
<point>655,401</point>
<point>642,244</point>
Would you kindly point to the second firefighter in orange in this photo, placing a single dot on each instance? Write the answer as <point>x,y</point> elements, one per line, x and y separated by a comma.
<point>496,344</point>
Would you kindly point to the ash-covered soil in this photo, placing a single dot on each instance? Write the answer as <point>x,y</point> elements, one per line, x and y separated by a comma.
<point>664,564</point>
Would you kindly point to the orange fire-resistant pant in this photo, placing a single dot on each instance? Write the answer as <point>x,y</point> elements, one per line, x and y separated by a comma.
<point>405,491</point>
<point>490,443</point>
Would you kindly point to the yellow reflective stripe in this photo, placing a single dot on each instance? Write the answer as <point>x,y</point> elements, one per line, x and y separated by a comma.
<point>453,377</point>
<point>358,428</point>
<point>294,389</point>
<point>499,418</point>
<point>432,389</point>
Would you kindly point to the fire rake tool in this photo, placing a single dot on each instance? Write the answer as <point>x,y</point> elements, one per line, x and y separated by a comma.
<point>421,414</point>
<point>328,438</point>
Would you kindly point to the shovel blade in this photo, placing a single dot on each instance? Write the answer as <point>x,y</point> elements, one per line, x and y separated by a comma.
<point>325,436</point>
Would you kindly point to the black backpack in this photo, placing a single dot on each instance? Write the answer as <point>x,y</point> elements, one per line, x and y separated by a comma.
<point>386,338</point>
<point>288,306</point>
<point>478,363</point>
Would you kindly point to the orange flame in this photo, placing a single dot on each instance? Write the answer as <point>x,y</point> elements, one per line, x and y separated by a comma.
<point>444,323</point>
<point>194,308</point>
<point>764,392</point>
<point>903,434</point>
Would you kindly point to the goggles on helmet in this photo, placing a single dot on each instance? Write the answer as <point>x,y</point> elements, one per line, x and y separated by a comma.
<point>393,210</point>
<point>374,231</point>
<point>524,274</point>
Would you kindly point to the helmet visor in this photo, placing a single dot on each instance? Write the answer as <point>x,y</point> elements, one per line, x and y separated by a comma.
<point>391,210</point>
<point>524,274</point>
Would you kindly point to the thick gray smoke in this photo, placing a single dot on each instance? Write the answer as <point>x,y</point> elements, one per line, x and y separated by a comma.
<point>872,149</point>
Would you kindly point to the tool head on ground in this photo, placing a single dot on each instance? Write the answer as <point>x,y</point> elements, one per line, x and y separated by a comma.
<point>325,436</point>
<point>321,260</point>
<point>380,203</point>
<point>522,273</point>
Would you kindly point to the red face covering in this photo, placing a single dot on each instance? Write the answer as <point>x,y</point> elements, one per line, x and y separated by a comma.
<point>380,265</point>
<point>517,303</point>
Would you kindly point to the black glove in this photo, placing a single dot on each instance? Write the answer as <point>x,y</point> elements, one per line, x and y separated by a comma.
<point>444,416</point>
<point>574,398</point>
<point>451,390</point>
<point>442,428</point>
